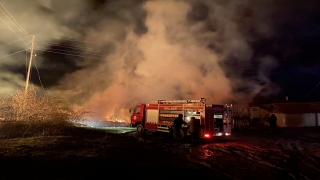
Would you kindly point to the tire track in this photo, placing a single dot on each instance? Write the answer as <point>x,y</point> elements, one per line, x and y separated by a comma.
<point>298,161</point>
<point>206,161</point>
<point>255,155</point>
<point>288,161</point>
<point>248,157</point>
<point>289,144</point>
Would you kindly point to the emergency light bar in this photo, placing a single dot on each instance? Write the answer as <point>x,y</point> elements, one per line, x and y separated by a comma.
<point>203,100</point>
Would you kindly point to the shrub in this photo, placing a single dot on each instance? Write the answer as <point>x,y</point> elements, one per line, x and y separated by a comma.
<point>34,113</point>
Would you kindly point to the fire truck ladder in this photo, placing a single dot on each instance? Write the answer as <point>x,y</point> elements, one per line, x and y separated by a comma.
<point>202,100</point>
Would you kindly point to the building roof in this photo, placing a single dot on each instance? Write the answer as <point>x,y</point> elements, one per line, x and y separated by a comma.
<point>293,108</point>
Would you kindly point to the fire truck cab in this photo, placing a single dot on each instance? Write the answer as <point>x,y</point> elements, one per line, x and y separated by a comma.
<point>215,119</point>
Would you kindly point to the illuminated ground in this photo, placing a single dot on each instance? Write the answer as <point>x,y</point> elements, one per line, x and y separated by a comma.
<point>107,126</point>
<point>118,152</point>
<point>117,130</point>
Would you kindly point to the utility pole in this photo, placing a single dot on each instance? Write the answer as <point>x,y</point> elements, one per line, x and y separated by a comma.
<point>30,62</point>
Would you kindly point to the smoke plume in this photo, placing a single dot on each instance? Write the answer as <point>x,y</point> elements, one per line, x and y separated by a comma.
<point>130,52</point>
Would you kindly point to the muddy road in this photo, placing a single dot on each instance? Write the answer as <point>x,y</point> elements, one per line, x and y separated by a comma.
<point>286,153</point>
<point>263,153</point>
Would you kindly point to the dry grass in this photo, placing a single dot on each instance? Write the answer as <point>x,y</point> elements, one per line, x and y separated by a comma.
<point>34,113</point>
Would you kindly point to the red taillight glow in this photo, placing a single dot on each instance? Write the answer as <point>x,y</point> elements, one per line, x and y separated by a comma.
<point>228,134</point>
<point>207,135</point>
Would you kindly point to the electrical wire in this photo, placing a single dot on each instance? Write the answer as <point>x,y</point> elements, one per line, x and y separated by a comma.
<point>12,29</point>
<point>79,50</point>
<point>69,54</point>
<point>20,27</point>
<point>74,47</point>
<point>60,50</point>
<point>13,42</point>
<point>12,54</point>
<point>68,39</point>
<point>311,91</point>
<point>90,50</point>
<point>34,62</point>
<point>247,72</point>
<point>74,53</point>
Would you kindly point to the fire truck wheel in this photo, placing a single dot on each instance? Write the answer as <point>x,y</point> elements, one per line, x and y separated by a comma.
<point>140,129</point>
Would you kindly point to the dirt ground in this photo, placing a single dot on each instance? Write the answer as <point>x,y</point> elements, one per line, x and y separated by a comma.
<point>284,153</point>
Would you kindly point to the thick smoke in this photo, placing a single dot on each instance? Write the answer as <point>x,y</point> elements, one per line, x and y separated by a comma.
<point>169,61</point>
<point>145,50</point>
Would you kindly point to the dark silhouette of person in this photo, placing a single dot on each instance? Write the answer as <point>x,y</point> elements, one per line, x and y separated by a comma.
<point>177,124</point>
<point>194,129</point>
<point>272,121</point>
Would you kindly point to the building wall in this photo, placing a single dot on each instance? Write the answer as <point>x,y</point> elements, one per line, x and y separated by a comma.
<point>264,113</point>
<point>243,115</point>
<point>241,111</point>
<point>281,122</point>
<point>298,120</point>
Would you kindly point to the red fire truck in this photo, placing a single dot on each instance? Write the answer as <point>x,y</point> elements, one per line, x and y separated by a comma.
<point>216,120</point>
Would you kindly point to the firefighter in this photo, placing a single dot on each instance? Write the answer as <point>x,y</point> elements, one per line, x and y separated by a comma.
<point>194,129</point>
<point>272,121</point>
<point>177,124</point>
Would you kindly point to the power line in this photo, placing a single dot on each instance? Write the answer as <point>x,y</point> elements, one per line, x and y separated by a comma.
<point>20,28</point>
<point>311,91</point>
<point>61,50</point>
<point>34,62</point>
<point>13,53</point>
<point>81,50</point>
<point>12,30</point>
<point>73,53</point>
<point>69,54</point>
<point>251,72</point>
<point>13,42</point>
<point>74,47</point>
<point>69,40</point>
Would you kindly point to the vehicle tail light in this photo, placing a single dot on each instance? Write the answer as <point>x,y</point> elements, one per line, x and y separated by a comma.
<point>207,135</point>
<point>228,134</point>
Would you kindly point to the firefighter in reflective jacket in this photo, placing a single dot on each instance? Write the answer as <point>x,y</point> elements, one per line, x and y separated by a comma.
<point>194,129</point>
<point>177,124</point>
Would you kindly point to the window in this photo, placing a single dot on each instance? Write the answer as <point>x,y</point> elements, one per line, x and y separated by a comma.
<point>217,116</point>
<point>137,110</point>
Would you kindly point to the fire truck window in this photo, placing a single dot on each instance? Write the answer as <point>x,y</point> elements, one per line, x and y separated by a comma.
<point>137,110</point>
